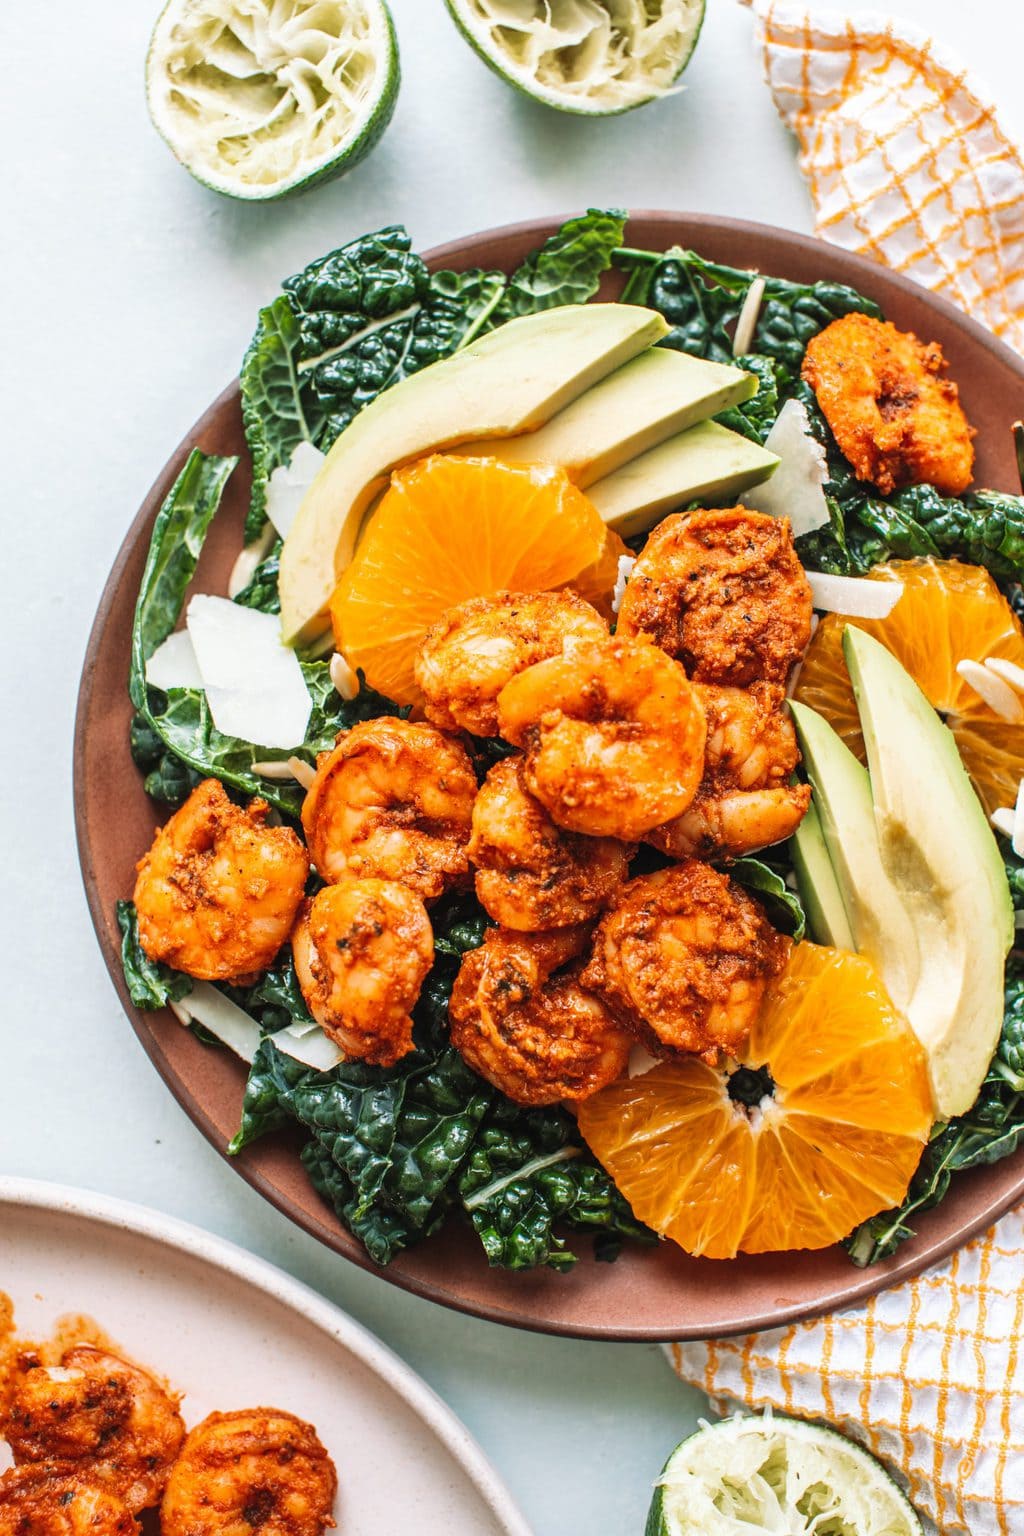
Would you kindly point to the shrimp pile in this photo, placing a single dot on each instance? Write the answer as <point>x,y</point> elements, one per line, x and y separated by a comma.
<point>97,1441</point>
<point>473,650</point>
<point>362,949</point>
<point>520,1018</point>
<point>895,416</point>
<point>724,592</point>
<point>613,734</point>
<point>217,893</point>
<point>255,1470</point>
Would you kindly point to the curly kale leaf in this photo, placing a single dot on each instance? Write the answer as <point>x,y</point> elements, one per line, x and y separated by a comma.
<point>150,984</point>
<point>983,528</point>
<point>348,326</point>
<point>993,1128</point>
<point>784,906</point>
<point>528,1172</point>
<point>568,267</point>
<point>756,417</point>
<point>701,300</point>
<point>262,591</point>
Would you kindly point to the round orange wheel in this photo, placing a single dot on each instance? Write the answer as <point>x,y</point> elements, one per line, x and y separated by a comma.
<point>818,1125</point>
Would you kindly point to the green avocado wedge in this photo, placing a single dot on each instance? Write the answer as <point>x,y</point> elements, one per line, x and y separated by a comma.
<point>573,58</point>
<point>819,889</point>
<point>511,380</point>
<point>706,463</point>
<point>770,1473</point>
<point>657,395</point>
<point>941,858</point>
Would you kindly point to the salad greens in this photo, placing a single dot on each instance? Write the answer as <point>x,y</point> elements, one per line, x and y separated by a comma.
<point>397,1151</point>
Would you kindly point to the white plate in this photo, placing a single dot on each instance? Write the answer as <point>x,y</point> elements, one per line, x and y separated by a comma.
<point>230,1331</point>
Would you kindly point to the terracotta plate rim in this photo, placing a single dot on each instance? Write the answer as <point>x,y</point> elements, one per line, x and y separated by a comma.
<point>840,265</point>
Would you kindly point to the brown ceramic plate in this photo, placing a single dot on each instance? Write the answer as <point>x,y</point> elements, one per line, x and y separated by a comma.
<point>655,1293</point>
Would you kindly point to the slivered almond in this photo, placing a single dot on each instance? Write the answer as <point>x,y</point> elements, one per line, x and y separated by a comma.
<point>999,696</point>
<point>1008,671</point>
<point>746,320</point>
<point>1004,820</point>
<point>345,680</point>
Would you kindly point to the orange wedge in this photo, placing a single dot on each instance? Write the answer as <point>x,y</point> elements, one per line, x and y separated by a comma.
<point>819,1125</point>
<point>948,613</point>
<point>448,529</point>
<point>597,582</point>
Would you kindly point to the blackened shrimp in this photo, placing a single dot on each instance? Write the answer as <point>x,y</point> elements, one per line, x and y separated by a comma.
<point>474,649</point>
<point>362,949</point>
<point>724,592</point>
<point>254,1472</point>
<point>44,1499</point>
<point>98,1414</point>
<point>217,893</point>
<point>392,800</point>
<point>520,1018</point>
<point>613,736</point>
<point>530,874</point>
<point>683,959</point>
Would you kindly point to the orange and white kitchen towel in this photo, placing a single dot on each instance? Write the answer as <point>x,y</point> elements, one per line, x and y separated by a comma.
<point>929,1375</point>
<point>904,154</point>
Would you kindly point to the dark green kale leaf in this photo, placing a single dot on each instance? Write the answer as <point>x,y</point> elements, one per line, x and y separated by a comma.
<point>266,1103</point>
<point>568,267</point>
<point>348,326</point>
<point>527,1173</point>
<point>701,300</point>
<point>783,905</point>
<point>150,984</point>
<point>983,528</point>
<point>756,417</point>
<point>261,591</point>
<point>992,1129</point>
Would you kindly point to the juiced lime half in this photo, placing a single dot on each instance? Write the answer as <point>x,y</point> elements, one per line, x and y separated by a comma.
<point>589,56</point>
<point>750,1475</point>
<point>261,97</point>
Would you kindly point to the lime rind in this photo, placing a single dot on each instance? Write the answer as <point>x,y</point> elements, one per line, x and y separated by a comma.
<point>260,98</point>
<point>750,1474</point>
<point>592,57</point>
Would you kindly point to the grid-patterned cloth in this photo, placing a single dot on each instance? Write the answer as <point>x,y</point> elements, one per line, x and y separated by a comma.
<point>928,1375</point>
<point>904,155</point>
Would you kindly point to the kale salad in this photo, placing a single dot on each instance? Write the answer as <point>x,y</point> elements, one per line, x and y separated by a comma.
<point>398,1151</point>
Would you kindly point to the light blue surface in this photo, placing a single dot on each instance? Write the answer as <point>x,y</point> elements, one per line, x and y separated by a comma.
<point>129,293</point>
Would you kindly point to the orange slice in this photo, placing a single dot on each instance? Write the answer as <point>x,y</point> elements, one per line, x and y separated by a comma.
<point>835,1138</point>
<point>948,613</point>
<point>597,582</point>
<point>448,529</point>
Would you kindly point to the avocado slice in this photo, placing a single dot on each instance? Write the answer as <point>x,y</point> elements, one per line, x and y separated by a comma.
<point>879,924</point>
<point>657,395</point>
<point>941,857</point>
<point>705,463</point>
<point>822,899</point>
<point>512,380</point>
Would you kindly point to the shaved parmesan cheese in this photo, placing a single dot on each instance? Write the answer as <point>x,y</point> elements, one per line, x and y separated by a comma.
<point>289,483</point>
<point>854,596</point>
<point>999,696</point>
<point>640,1061</point>
<point>1008,671</point>
<point>310,1046</point>
<point>797,488</point>
<point>1004,820</point>
<point>626,564</point>
<point>173,664</point>
<point>253,682</point>
<point>746,320</point>
<point>223,1018</point>
<point>346,682</point>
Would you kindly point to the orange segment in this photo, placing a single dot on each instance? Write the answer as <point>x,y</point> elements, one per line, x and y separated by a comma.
<point>597,582</point>
<point>448,529</point>
<point>948,613</point>
<point>836,1139</point>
